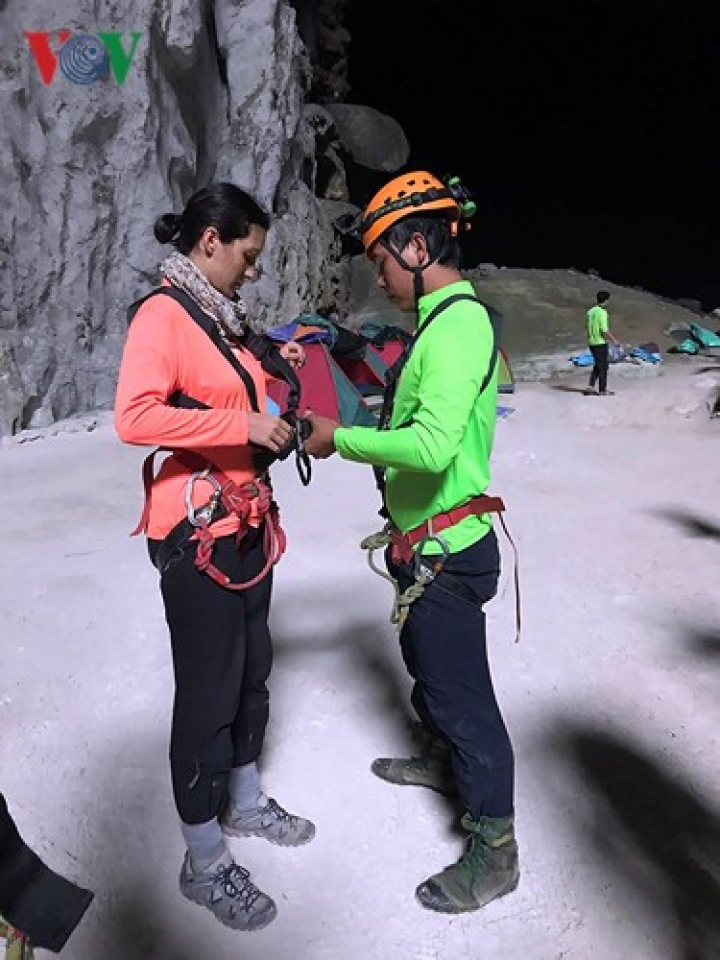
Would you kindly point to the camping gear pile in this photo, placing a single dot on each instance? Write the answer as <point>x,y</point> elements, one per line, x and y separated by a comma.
<point>645,353</point>
<point>695,339</point>
<point>690,339</point>
<point>345,371</point>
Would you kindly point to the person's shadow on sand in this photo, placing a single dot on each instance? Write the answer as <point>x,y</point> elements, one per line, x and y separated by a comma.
<point>690,522</point>
<point>375,660</point>
<point>644,817</point>
<point>568,388</point>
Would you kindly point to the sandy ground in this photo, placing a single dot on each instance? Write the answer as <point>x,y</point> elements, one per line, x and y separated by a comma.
<point>611,698</point>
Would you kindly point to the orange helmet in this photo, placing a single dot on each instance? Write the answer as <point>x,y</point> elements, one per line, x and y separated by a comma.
<point>413,193</point>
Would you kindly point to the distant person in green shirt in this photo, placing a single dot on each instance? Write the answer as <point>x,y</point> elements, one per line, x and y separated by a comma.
<point>433,453</point>
<point>599,336</point>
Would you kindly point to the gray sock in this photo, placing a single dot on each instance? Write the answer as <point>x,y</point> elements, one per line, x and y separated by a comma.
<point>204,841</point>
<point>244,788</point>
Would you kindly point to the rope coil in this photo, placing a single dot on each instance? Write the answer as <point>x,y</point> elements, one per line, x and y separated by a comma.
<point>403,599</point>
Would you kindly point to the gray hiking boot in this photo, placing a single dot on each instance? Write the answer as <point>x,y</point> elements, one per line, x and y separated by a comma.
<point>432,768</point>
<point>226,889</point>
<point>488,869</point>
<point>271,822</point>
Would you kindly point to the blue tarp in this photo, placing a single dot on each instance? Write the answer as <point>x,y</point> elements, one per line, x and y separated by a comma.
<point>583,359</point>
<point>649,356</point>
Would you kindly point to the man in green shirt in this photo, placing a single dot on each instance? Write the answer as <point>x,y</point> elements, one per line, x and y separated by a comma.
<point>433,452</point>
<point>598,330</point>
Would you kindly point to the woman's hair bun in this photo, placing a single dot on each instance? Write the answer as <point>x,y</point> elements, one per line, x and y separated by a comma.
<point>167,227</point>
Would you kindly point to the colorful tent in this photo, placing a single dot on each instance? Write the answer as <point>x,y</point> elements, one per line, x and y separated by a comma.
<point>386,339</point>
<point>389,341</point>
<point>506,380</point>
<point>361,362</point>
<point>325,389</point>
<point>345,371</point>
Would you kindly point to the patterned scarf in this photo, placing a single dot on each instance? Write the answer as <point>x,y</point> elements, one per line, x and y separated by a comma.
<point>229,315</point>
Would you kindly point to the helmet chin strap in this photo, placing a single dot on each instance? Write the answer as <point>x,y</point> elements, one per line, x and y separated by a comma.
<point>417,272</point>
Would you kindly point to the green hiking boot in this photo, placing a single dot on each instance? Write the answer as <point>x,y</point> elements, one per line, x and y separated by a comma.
<point>488,869</point>
<point>432,768</point>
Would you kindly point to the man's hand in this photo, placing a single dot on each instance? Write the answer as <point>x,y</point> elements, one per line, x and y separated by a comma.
<point>294,353</point>
<point>264,430</point>
<point>321,442</point>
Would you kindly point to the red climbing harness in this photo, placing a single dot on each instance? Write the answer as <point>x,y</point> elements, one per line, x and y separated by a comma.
<point>403,545</point>
<point>227,498</point>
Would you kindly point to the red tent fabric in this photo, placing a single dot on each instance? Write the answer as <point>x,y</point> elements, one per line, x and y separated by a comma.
<point>316,384</point>
<point>368,370</point>
<point>390,351</point>
<point>325,389</point>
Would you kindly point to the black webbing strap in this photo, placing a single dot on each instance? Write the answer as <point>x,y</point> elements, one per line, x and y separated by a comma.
<point>210,327</point>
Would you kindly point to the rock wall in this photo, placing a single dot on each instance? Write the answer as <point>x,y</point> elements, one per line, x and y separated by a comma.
<point>216,89</point>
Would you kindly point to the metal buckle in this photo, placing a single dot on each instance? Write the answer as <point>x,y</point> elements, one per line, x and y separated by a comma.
<point>203,515</point>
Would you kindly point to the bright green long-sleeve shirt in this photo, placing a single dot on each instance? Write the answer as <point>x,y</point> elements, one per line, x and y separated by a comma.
<point>597,325</point>
<point>443,458</point>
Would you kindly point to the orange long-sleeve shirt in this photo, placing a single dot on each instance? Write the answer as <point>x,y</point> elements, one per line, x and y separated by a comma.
<point>165,352</point>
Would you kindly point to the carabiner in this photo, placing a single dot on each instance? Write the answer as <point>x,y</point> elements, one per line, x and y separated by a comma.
<point>204,514</point>
<point>426,574</point>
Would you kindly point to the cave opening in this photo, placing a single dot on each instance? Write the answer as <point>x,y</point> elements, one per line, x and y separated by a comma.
<point>583,130</point>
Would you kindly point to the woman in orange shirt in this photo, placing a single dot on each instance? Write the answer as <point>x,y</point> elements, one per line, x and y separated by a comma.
<point>189,384</point>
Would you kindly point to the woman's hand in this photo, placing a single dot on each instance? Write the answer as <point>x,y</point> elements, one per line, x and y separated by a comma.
<point>264,430</point>
<point>294,353</point>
